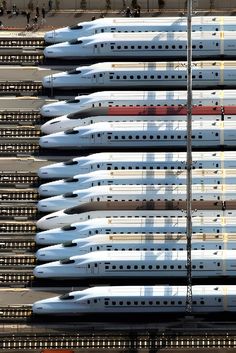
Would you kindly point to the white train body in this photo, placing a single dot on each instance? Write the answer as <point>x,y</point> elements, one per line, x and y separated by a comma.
<point>118,225</point>
<point>139,299</point>
<point>135,194</point>
<point>63,123</point>
<point>74,214</point>
<point>144,264</point>
<point>135,242</point>
<point>158,45</point>
<point>136,98</point>
<point>144,24</point>
<point>138,177</point>
<point>139,75</point>
<point>142,134</point>
<point>129,161</point>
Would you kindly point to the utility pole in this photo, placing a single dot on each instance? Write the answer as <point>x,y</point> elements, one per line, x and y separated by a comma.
<point>189,158</point>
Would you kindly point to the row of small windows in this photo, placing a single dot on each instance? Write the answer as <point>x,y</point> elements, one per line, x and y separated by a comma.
<point>151,267</point>
<point>151,137</point>
<point>149,47</point>
<point>145,200</point>
<point>146,249</point>
<point>151,77</point>
<point>146,233</point>
<point>148,302</point>
<point>151,302</point>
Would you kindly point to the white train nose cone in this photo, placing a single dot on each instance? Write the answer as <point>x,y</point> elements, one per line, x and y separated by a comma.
<point>47,81</point>
<point>50,126</point>
<point>39,272</point>
<point>43,141</point>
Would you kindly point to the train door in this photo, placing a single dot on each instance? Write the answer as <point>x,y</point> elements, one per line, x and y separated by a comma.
<point>94,268</point>
<point>98,78</point>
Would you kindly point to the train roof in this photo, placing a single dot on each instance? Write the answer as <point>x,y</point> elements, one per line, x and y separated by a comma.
<point>151,255</point>
<point>166,290</point>
<point>156,36</point>
<point>177,65</point>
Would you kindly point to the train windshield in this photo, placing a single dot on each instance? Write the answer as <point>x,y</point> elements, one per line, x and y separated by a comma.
<point>66,297</point>
<point>67,228</point>
<point>71,132</point>
<point>73,210</point>
<point>71,180</point>
<point>75,27</point>
<point>68,244</point>
<point>70,162</point>
<point>73,72</point>
<point>69,195</point>
<point>72,101</point>
<point>74,116</point>
<point>75,41</point>
<point>67,261</point>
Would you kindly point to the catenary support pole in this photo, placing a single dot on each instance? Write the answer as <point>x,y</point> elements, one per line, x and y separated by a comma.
<point>189,157</point>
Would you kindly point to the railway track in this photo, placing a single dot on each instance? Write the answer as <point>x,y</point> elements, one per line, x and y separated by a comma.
<point>12,261</point>
<point>19,195</point>
<point>8,148</point>
<point>16,277</point>
<point>21,117</point>
<point>22,87</point>
<point>12,179</point>
<point>19,133</point>
<point>23,244</point>
<point>125,342</point>
<point>15,312</point>
<point>18,212</point>
<point>17,228</point>
<point>21,58</point>
<point>12,43</point>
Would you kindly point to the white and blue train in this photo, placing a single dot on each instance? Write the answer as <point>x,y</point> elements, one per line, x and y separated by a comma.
<point>144,24</point>
<point>158,45</point>
<point>74,214</point>
<point>138,177</point>
<point>136,196</point>
<point>137,161</point>
<point>109,99</point>
<point>140,135</point>
<point>141,264</point>
<point>140,75</point>
<point>135,242</point>
<point>107,300</point>
<point>143,225</point>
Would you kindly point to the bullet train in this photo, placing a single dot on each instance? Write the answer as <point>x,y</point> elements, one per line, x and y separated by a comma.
<point>144,24</point>
<point>138,177</point>
<point>145,113</point>
<point>158,45</point>
<point>139,225</point>
<point>129,161</point>
<point>74,214</point>
<point>135,242</point>
<point>139,75</point>
<point>139,300</point>
<point>133,194</point>
<point>109,99</point>
<point>141,264</point>
<point>135,135</point>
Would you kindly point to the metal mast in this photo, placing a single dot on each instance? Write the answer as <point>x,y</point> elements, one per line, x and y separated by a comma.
<point>189,157</point>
